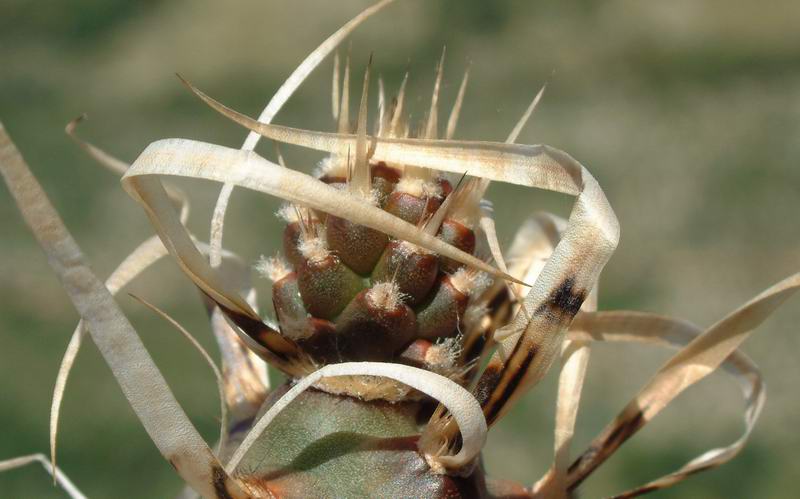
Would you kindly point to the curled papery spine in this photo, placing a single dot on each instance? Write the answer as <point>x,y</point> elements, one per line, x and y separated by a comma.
<point>142,383</point>
<point>462,405</point>
<point>179,157</point>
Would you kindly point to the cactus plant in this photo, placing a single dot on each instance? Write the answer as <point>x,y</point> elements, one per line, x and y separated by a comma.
<point>404,332</point>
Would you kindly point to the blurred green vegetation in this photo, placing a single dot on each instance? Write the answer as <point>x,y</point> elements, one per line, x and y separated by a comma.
<point>686,112</point>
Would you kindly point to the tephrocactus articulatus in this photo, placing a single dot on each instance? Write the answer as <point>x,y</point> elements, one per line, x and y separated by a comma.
<point>403,330</point>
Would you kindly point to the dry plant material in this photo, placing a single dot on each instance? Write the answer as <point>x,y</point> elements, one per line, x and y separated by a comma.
<point>403,329</point>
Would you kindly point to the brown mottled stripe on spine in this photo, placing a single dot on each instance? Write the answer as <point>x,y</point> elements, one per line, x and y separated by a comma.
<point>561,306</point>
<point>504,391</point>
<point>563,303</point>
<point>652,487</point>
<point>284,353</point>
<point>623,431</point>
<point>218,480</point>
<point>281,347</point>
<point>487,382</point>
<point>595,455</point>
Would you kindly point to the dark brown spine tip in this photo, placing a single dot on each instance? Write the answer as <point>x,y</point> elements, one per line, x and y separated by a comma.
<point>458,235</point>
<point>440,315</point>
<point>411,208</point>
<point>333,179</point>
<point>414,272</point>
<point>358,247</point>
<point>367,331</point>
<point>326,286</point>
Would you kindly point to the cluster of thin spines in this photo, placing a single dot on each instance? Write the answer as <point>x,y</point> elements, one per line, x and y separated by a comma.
<point>346,292</point>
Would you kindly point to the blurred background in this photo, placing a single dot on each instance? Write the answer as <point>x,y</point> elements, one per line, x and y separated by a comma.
<point>687,112</point>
